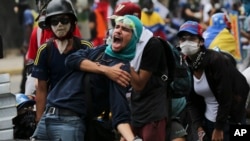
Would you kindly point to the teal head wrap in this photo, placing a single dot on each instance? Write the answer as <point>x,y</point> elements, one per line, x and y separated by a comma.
<point>128,53</point>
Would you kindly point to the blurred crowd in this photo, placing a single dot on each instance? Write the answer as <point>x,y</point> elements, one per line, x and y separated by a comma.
<point>164,18</point>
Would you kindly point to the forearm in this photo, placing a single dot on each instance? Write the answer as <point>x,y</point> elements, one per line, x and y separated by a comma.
<point>126,131</point>
<point>40,105</point>
<point>114,73</point>
<point>94,67</point>
<point>41,97</point>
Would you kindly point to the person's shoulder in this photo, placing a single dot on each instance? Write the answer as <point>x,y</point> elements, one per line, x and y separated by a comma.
<point>97,52</point>
<point>42,52</point>
<point>223,55</point>
<point>213,52</point>
<point>101,47</point>
<point>86,43</point>
<point>155,41</point>
<point>215,56</point>
<point>45,45</point>
<point>83,42</point>
<point>155,44</point>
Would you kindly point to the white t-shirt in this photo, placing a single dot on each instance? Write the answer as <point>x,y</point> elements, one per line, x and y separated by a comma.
<point>202,88</point>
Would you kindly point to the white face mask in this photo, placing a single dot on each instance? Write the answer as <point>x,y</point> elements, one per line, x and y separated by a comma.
<point>189,48</point>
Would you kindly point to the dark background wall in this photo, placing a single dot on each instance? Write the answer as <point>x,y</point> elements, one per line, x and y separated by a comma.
<point>10,29</point>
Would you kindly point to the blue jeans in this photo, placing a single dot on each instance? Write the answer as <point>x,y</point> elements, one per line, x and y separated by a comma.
<point>60,128</point>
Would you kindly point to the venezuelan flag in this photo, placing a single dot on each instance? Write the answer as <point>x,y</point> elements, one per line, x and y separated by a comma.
<point>154,23</point>
<point>221,37</point>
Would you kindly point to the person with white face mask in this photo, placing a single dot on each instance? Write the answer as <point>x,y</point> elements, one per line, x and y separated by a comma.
<point>216,81</point>
<point>190,38</point>
<point>49,65</point>
<point>189,47</point>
